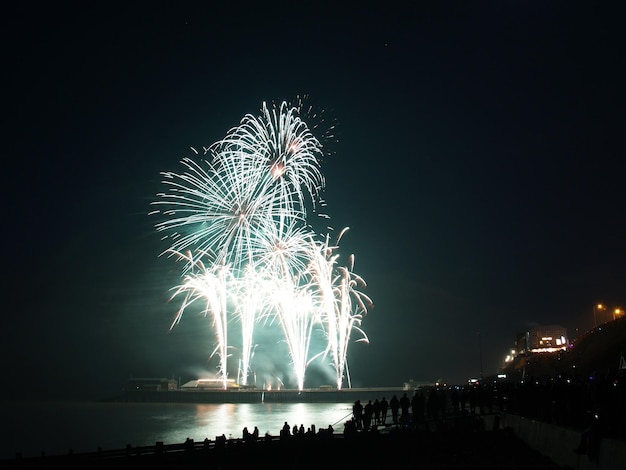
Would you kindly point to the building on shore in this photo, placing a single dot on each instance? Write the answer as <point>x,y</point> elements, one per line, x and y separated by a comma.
<point>547,338</point>
<point>539,339</point>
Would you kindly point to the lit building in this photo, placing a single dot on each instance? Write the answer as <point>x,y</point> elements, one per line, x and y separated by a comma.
<point>540,339</point>
<point>547,338</point>
<point>209,384</point>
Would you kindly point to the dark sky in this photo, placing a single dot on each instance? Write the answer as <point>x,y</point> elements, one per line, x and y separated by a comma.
<point>478,161</point>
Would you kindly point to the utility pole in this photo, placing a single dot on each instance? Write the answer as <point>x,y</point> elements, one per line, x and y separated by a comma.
<point>480,354</point>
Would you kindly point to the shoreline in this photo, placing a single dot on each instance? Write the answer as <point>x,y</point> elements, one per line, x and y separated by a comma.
<point>257,396</point>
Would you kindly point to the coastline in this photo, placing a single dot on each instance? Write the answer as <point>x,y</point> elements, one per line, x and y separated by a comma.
<point>257,396</point>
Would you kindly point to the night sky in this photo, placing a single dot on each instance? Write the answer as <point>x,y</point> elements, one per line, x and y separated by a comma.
<point>478,160</point>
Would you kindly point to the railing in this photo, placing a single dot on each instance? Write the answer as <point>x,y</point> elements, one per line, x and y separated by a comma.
<point>222,445</point>
<point>159,450</point>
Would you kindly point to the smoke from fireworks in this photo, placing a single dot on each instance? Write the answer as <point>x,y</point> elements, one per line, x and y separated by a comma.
<point>237,220</point>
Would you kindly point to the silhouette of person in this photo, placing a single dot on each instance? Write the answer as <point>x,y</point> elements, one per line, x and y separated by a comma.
<point>415,408</point>
<point>463,399</point>
<point>405,404</point>
<point>473,399</point>
<point>384,406</point>
<point>433,404</point>
<point>376,412</point>
<point>357,413</point>
<point>368,412</point>
<point>349,428</point>
<point>442,401</point>
<point>285,432</point>
<point>455,398</point>
<point>394,404</point>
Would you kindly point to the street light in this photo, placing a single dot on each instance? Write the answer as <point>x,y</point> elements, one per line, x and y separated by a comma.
<point>618,312</point>
<point>595,309</point>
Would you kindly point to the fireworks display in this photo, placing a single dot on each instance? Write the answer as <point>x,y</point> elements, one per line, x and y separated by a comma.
<point>237,221</point>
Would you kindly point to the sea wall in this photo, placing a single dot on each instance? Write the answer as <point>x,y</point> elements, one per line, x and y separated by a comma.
<point>560,444</point>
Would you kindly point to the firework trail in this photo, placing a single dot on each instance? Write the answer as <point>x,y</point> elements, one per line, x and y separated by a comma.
<point>243,212</point>
<point>250,294</point>
<point>209,285</point>
<point>341,304</point>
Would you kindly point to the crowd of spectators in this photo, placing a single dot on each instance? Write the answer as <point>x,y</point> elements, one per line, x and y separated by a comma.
<point>596,402</point>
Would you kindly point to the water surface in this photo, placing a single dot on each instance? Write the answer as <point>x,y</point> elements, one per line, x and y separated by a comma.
<point>57,427</point>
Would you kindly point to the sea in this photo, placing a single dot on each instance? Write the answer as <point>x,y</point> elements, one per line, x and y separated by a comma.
<point>58,428</point>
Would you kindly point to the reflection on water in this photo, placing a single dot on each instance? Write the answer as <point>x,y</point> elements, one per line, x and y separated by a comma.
<point>56,427</point>
<point>230,419</point>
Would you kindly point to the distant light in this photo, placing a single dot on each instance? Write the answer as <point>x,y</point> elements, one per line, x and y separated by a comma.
<point>548,350</point>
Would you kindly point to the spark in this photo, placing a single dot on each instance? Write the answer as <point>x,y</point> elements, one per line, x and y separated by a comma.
<point>239,215</point>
